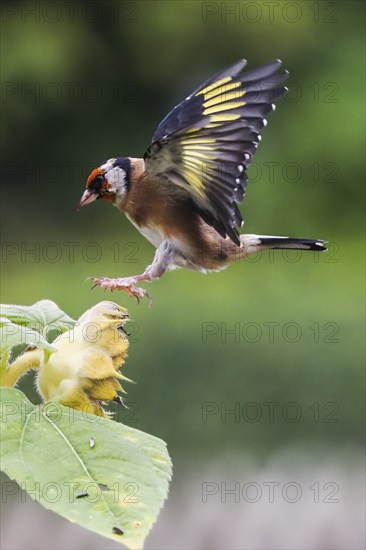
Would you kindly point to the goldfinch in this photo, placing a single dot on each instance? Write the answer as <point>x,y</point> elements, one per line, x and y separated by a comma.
<point>183,194</point>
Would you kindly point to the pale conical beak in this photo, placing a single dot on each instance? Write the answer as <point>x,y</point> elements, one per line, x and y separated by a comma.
<point>87,198</point>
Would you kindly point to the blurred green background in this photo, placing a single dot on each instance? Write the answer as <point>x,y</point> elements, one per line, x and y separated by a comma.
<point>85,85</point>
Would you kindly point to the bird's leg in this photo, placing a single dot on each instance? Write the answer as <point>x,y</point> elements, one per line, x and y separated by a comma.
<point>125,283</point>
<point>162,259</point>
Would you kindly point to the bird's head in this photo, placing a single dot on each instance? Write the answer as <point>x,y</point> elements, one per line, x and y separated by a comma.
<point>108,181</point>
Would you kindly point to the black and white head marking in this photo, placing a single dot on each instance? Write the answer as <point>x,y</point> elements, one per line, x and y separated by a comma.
<point>117,173</point>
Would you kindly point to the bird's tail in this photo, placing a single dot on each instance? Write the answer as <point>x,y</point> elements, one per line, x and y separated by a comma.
<point>289,242</point>
<point>253,243</point>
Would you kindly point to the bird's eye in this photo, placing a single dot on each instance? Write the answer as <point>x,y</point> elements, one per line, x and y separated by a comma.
<point>97,183</point>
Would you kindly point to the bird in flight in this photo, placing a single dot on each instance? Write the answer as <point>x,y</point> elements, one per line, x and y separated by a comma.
<point>183,194</point>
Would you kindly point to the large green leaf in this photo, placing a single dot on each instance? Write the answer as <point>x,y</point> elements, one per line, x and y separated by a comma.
<point>107,477</point>
<point>12,334</point>
<point>43,316</point>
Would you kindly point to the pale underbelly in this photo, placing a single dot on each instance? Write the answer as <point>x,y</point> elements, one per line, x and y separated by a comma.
<point>155,235</point>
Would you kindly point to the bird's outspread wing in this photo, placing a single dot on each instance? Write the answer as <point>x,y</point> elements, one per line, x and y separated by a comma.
<point>205,144</point>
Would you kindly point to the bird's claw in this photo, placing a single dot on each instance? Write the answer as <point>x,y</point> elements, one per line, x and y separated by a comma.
<point>121,284</point>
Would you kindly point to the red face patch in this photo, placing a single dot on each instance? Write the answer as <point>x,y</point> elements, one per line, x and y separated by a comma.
<point>93,175</point>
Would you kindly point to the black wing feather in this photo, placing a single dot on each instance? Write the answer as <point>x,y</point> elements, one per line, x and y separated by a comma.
<point>206,142</point>
<point>180,116</point>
